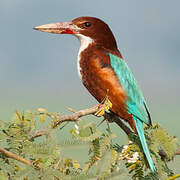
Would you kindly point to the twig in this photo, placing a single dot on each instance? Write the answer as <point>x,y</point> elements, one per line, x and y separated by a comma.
<point>66,118</point>
<point>40,133</point>
<point>14,156</point>
<point>70,109</point>
<point>75,116</point>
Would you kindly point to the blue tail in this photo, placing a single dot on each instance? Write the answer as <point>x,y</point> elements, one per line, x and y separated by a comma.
<point>140,131</point>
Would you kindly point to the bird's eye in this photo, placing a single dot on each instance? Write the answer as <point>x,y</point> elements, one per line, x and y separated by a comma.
<point>87,24</point>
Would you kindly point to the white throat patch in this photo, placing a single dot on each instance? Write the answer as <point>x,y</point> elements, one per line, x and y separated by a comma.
<point>84,43</point>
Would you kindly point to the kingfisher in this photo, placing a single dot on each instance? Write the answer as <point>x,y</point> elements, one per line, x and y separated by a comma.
<point>102,69</point>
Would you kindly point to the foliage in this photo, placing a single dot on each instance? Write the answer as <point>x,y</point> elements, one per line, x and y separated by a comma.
<point>105,160</point>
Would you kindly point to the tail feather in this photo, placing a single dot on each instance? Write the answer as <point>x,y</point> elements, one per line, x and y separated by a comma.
<point>140,131</point>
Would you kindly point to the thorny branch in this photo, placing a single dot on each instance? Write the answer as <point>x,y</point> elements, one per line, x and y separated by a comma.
<point>75,117</point>
<point>110,117</point>
<point>14,156</point>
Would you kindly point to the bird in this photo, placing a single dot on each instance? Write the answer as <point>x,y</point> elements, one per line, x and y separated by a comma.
<point>102,69</point>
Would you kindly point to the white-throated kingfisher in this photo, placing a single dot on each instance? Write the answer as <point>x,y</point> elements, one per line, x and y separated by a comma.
<point>102,68</point>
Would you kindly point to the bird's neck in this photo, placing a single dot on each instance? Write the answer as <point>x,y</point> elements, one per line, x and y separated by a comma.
<point>87,42</point>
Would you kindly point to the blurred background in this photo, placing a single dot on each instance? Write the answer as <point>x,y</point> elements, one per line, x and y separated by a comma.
<point>39,69</point>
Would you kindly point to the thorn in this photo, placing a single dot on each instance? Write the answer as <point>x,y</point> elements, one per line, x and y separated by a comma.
<point>101,122</point>
<point>70,109</point>
<point>64,125</point>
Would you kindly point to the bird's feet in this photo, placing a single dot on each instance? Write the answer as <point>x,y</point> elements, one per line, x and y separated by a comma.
<point>103,107</point>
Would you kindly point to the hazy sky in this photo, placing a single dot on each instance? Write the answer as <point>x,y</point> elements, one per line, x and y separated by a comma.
<point>39,69</point>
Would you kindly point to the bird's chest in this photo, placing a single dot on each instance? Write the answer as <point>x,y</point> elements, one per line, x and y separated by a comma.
<point>90,75</point>
<point>100,81</point>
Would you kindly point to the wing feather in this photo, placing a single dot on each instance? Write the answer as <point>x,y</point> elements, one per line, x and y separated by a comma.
<point>136,104</point>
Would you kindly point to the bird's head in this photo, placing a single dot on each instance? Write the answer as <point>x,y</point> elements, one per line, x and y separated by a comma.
<point>83,27</point>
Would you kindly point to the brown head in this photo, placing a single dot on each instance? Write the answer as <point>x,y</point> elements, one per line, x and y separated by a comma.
<point>91,27</point>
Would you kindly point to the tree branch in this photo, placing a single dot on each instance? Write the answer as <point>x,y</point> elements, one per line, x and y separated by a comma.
<point>111,117</point>
<point>75,116</point>
<point>14,156</point>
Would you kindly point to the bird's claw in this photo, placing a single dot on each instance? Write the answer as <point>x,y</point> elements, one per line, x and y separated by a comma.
<point>102,108</point>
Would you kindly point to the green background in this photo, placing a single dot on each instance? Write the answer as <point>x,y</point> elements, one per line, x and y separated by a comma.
<point>39,69</point>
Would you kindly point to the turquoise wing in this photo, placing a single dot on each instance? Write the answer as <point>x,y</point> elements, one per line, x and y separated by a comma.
<point>136,104</point>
